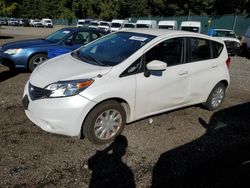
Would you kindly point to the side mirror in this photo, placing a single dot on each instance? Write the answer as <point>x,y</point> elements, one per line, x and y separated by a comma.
<point>68,42</point>
<point>156,65</point>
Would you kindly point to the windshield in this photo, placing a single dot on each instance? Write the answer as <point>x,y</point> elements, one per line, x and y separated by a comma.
<point>116,25</point>
<point>48,21</point>
<point>104,24</point>
<point>94,24</point>
<point>170,27</point>
<point>129,26</point>
<point>112,49</point>
<point>57,36</point>
<point>142,26</point>
<point>230,34</point>
<point>192,29</point>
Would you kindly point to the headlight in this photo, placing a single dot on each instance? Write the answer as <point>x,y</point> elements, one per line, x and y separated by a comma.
<point>13,51</point>
<point>68,88</point>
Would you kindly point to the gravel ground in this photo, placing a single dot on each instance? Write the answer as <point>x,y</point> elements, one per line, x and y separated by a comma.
<point>190,147</point>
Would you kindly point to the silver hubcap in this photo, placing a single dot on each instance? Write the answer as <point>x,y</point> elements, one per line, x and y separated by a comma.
<point>217,97</point>
<point>37,61</point>
<point>108,124</point>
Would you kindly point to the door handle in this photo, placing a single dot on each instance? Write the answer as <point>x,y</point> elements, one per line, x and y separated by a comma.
<point>214,66</point>
<point>182,73</point>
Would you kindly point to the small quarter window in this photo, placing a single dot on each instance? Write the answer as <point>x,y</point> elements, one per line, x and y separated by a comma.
<point>217,49</point>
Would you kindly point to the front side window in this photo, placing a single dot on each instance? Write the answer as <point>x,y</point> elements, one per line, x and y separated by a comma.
<point>112,49</point>
<point>169,51</point>
<point>191,29</point>
<point>170,27</point>
<point>200,49</point>
<point>142,26</point>
<point>116,25</point>
<point>81,38</point>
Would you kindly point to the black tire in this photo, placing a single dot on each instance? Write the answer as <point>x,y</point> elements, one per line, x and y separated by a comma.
<point>210,103</point>
<point>88,128</point>
<point>33,63</point>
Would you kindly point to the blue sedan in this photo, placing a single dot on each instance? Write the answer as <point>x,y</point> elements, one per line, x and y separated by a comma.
<point>27,54</point>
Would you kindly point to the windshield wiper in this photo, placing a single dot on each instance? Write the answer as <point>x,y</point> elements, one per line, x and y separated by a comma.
<point>85,57</point>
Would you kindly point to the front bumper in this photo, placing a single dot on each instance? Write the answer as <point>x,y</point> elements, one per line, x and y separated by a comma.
<point>15,60</point>
<point>58,115</point>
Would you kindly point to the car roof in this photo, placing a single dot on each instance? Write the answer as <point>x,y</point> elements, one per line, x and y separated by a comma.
<point>223,30</point>
<point>164,32</point>
<point>82,29</point>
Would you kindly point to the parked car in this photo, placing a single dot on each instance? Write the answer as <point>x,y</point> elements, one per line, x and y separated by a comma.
<point>3,21</point>
<point>27,54</point>
<point>94,24</point>
<point>13,22</point>
<point>84,22</point>
<point>146,24</point>
<point>47,22</point>
<point>36,23</point>
<point>104,26</point>
<point>192,26</point>
<point>230,39</point>
<point>117,25</point>
<point>124,77</point>
<point>168,24</point>
<point>24,22</point>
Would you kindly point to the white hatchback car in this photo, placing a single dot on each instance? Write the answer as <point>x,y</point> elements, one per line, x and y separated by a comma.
<point>125,76</point>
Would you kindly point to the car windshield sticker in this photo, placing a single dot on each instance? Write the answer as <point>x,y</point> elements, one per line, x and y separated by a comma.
<point>138,38</point>
<point>66,32</point>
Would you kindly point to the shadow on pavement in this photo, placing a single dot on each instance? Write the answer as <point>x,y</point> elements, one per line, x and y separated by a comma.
<point>220,158</point>
<point>5,75</point>
<point>6,37</point>
<point>107,167</point>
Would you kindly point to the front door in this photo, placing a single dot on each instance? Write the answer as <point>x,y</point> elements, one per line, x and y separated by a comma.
<point>166,89</point>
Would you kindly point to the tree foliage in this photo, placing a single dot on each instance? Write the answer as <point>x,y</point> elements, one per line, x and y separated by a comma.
<point>108,9</point>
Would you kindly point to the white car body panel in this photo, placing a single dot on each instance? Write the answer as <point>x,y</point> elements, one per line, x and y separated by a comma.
<point>177,86</point>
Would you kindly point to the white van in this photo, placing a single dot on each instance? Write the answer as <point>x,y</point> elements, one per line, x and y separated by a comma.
<point>247,38</point>
<point>83,22</point>
<point>191,26</point>
<point>94,24</point>
<point>117,25</point>
<point>103,25</point>
<point>46,22</point>
<point>168,24</point>
<point>146,24</point>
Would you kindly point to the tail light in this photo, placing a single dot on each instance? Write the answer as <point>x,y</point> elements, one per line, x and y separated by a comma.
<point>228,62</point>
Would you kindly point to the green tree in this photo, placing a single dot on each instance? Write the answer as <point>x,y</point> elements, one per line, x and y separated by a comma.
<point>7,9</point>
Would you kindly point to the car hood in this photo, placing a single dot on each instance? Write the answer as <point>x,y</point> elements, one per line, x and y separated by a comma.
<point>64,68</point>
<point>27,43</point>
<point>229,39</point>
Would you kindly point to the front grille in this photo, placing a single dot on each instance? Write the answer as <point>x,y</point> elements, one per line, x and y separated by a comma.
<point>38,93</point>
<point>230,44</point>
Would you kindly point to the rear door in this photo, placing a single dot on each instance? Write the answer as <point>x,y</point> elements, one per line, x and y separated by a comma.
<point>203,69</point>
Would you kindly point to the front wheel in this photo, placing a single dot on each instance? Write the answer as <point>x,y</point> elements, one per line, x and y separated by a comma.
<point>36,60</point>
<point>104,122</point>
<point>216,97</point>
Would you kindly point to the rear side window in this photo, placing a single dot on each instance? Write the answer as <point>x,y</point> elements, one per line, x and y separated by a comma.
<point>200,49</point>
<point>217,49</point>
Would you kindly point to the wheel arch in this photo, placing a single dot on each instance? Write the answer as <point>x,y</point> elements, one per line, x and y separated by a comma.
<point>123,103</point>
<point>33,54</point>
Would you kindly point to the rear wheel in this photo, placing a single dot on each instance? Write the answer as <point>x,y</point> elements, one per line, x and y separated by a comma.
<point>104,122</point>
<point>36,60</point>
<point>216,97</point>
